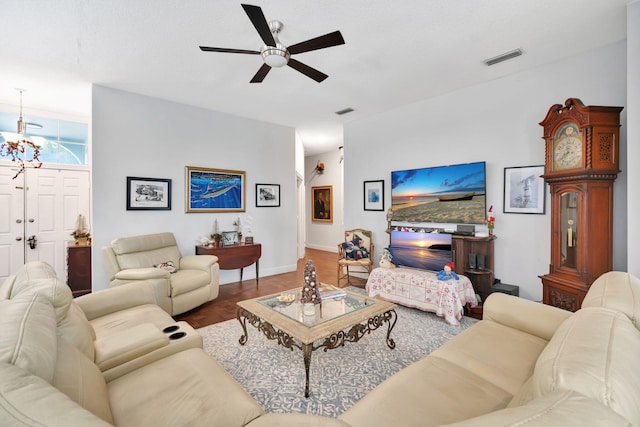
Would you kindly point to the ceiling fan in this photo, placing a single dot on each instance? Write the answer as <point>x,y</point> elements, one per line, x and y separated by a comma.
<point>274,53</point>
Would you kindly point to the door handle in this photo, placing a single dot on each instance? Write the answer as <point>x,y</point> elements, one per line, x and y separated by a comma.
<point>33,242</point>
<point>19,238</point>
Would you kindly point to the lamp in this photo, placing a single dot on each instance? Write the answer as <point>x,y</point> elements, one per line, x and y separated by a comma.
<point>277,56</point>
<point>319,167</point>
<point>16,150</point>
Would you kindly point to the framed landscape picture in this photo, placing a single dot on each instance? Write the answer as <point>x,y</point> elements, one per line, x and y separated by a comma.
<point>267,195</point>
<point>322,203</point>
<point>214,190</point>
<point>374,195</point>
<point>524,190</point>
<point>148,194</point>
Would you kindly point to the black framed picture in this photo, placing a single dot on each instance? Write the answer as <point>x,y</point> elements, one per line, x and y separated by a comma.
<point>230,238</point>
<point>148,194</point>
<point>267,195</point>
<point>374,195</point>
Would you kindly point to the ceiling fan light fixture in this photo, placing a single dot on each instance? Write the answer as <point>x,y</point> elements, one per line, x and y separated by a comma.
<point>275,56</point>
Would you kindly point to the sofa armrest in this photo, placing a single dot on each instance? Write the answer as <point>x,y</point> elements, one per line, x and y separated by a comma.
<point>197,262</point>
<point>122,347</point>
<point>528,316</point>
<point>142,274</point>
<point>118,298</point>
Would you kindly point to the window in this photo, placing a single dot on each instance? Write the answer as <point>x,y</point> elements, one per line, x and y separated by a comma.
<point>61,141</point>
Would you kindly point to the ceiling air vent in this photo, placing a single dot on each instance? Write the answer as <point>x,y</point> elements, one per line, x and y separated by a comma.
<point>345,111</point>
<point>504,57</point>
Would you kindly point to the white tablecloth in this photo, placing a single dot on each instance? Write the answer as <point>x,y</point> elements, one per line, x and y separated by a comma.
<point>421,289</point>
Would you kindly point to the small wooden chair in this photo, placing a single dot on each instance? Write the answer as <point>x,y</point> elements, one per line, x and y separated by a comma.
<point>365,263</point>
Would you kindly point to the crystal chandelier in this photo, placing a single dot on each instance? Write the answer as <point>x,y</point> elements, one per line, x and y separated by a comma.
<point>16,150</point>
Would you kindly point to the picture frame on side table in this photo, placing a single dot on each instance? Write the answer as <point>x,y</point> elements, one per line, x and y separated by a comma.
<point>214,190</point>
<point>322,204</point>
<point>524,190</point>
<point>374,195</point>
<point>230,238</point>
<point>248,240</point>
<point>267,195</point>
<point>148,194</point>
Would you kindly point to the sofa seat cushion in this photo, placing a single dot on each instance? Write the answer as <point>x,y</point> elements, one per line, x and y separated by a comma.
<point>185,281</point>
<point>476,350</point>
<point>192,389</point>
<point>81,380</point>
<point>560,408</point>
<point>28,400</point>
<point>617,290</point>
<point>430,392</point>
<point>595,353</point>
<point>28,334</point>
<point>128,318</point>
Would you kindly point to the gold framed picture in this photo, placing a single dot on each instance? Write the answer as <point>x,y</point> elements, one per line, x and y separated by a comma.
<point>322,203</point>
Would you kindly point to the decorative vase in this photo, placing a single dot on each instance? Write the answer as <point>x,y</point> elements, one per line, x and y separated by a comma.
<point>309,309</point>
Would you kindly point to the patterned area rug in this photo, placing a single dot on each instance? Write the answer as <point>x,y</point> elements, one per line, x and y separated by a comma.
<point>274,376</point>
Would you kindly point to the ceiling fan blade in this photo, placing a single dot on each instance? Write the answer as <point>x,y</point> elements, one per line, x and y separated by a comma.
<point>261,74</point>
<point>306,70</point>
<point>260,22</point>
<point>225,50</point>
<point>328,40</point>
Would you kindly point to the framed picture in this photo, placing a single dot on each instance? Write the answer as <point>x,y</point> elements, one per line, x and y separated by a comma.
<point>214,190</point>
<point>322,203</point>
<point>267,195</point>
<point>374,195</point>
<point>148,194</point>
<point>524,190</point>
<point>248,240</point>
<point>230,238</point>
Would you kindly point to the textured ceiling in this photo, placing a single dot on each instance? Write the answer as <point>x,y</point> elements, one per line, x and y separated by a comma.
<point>396,53</point>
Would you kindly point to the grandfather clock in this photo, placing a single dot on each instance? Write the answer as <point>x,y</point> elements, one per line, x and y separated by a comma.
<point>581,165</point>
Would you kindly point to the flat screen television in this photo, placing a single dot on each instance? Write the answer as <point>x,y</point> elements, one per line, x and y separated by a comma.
<point>453,194</point>
<point>427,251</point>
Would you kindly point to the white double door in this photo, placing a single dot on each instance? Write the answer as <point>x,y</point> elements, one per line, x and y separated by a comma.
<point>38,212</point>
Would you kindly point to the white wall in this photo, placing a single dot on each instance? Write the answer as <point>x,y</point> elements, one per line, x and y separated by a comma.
<point>135,135</point>
<point>325,235</point>
<point>633,134</point>
<point>496,122</point>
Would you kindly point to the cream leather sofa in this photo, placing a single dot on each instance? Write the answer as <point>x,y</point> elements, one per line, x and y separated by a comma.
<point>103,359</point>
<point>525,364</point>
<point>195,282</point>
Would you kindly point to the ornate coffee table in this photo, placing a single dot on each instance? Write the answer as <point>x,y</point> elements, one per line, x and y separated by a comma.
<point>343,318</point>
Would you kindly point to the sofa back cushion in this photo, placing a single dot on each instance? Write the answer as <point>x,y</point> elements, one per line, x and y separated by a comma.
<point>81,380</point>
<point>595,353</point>
<point>76,329</point>
<point>40,277</point>
<point>617,290</point>
<point>146,251</point>
<point>6,287</point>
<point>28,334</point>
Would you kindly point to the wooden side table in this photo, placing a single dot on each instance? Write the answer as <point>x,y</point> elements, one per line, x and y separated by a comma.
<point>234,257</point>
<point>79,268</point>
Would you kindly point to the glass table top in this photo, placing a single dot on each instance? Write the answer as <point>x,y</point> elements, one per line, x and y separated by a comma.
<point>335,303</point>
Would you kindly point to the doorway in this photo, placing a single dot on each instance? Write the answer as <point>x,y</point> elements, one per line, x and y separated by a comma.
<point>38,212</point>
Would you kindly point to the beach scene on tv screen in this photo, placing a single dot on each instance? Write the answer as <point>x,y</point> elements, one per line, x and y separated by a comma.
<point>443,194</point>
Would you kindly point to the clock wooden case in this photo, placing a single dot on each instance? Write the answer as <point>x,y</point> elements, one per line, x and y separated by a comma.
<point>581,165</point>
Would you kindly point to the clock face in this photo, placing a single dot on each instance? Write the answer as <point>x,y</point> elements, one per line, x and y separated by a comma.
<point>567,148</point>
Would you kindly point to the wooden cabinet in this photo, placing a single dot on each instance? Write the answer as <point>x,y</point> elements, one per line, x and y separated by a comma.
<point>481,278</point>
<point>582,158</point>
<point>79,268</point>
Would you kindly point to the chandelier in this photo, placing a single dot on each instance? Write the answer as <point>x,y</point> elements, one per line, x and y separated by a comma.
<point>16,150</point>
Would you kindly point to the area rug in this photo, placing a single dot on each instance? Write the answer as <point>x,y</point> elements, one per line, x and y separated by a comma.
<point>274,376</point>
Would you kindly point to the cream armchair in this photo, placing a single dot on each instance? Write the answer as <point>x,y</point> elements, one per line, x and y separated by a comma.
<point>194,282</point>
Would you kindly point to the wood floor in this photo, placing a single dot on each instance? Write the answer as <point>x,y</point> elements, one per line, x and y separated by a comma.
<point>224,307</point>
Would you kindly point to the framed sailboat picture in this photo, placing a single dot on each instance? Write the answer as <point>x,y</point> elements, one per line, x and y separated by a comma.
<point>214,190</point>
